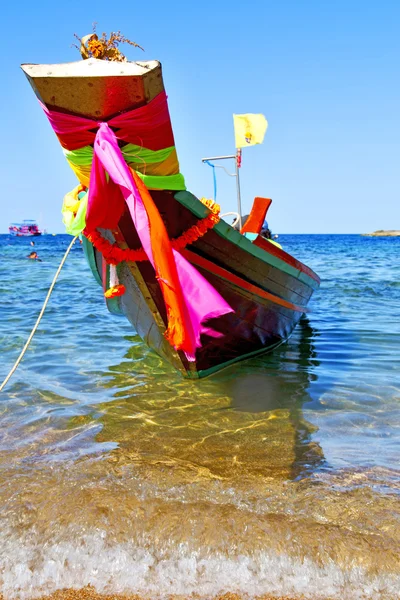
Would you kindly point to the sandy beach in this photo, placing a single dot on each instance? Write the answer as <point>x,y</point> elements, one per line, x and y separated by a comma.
<point>89,593</point>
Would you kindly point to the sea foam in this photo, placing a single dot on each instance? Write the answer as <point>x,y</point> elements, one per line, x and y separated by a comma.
<point>30,568</point>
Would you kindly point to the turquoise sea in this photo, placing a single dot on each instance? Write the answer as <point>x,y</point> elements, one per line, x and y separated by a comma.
<point>279,476</point>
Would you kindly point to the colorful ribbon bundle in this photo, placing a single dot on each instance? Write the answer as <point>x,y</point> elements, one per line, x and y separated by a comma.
<point>115,183</point>
<point>154,163</point>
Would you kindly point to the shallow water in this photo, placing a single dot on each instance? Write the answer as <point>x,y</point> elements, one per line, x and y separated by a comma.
<point>277,476</point>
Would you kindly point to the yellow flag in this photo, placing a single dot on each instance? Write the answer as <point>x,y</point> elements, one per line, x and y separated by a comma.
<point>249,129</point>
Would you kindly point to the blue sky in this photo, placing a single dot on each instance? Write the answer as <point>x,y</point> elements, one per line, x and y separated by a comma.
<point>325,74</point>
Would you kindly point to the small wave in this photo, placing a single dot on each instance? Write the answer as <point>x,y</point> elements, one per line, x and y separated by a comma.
<point>28,570</point>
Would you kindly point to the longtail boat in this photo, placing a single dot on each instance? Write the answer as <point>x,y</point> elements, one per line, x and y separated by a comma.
<point>200,293</point>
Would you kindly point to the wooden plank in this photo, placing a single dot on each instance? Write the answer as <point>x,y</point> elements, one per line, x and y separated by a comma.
<point>225,230</point>
<point>79,88</point>
<point>140,309</point>
<point>260,274</point>
<point>239,282</point>
<point>179,219</point>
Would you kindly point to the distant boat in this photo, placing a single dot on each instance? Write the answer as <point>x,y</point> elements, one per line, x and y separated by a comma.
<point>252,292</point>
<point>27,228</point>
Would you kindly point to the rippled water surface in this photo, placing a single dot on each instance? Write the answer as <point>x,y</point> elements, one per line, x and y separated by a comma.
<point>277,476</point>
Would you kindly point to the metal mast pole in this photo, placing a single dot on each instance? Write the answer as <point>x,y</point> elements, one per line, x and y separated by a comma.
<point>239,199</point>
<point>218,157</point>
<point>238,162</point>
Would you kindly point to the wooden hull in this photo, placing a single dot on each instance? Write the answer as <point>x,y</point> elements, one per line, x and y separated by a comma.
<point>267,288</point>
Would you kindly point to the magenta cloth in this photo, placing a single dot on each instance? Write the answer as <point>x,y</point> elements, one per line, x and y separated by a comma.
<point>148,126</point>
<point>106,201</point>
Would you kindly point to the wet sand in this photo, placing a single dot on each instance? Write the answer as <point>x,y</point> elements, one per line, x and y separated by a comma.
<point>89,593</point>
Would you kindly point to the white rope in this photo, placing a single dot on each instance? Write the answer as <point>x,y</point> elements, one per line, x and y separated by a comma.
<point>20,357</point>
<point>236,221</point>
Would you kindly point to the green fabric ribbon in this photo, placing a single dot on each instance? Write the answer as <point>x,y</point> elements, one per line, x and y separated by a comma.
<point>75,225</point>
<point>133,154</point>
<point>136,154</point>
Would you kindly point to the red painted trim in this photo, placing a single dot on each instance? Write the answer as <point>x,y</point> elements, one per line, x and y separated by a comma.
<point>272,249</point>
<point>238,281</point>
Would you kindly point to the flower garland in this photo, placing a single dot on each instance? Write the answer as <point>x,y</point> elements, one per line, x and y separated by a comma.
<point>113,254</point>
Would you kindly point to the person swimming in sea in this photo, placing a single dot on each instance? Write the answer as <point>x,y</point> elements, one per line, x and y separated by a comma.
<point>34,256</point>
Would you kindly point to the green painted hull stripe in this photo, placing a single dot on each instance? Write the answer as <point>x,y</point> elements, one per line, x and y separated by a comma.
<point>89,253</point>
<point>206,372</point>
<point>227,232</point>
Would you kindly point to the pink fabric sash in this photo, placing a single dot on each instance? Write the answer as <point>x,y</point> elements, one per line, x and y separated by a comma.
<point>112,185</point>
<point>200,300</point>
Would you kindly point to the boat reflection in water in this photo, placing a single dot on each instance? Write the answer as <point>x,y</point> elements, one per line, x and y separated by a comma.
<point>244,423</point>
<point>195,489</point>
